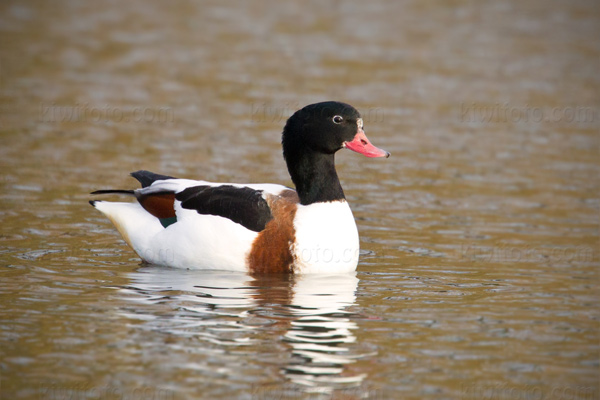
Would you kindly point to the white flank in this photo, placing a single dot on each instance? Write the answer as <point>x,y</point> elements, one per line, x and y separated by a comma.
<point>326,238</point>
<point>198,241</point>
<point>195,241</point>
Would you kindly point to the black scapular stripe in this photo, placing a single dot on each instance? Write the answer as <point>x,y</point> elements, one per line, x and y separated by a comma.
<point>146,178</point>
<point>242,205</point>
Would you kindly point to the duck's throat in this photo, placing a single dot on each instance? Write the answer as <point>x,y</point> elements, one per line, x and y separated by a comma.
<point>316,179</point>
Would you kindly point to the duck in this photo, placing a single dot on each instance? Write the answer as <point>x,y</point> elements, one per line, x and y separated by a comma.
<point>254,228</point>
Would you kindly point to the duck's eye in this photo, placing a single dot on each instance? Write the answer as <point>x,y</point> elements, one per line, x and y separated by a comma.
<point>337,119</point>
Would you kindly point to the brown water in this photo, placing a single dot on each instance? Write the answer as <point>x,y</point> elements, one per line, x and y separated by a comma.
<point>479,270</point>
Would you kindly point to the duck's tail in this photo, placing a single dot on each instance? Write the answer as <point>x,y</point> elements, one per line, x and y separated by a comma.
<point>133,223</point>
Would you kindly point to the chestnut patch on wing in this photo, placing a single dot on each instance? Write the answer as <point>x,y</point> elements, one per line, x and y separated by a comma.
<point>271,251</point>
<point>159,204</point>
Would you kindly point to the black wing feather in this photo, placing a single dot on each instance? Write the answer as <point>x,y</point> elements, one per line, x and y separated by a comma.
<point>147,178</point>
<point>242,205</point>
<point>113,191</point>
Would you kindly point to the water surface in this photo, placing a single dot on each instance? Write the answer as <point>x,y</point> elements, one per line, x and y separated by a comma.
<point>479,264</point>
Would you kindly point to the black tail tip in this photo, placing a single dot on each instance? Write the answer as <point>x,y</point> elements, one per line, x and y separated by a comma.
<point>93,203</point>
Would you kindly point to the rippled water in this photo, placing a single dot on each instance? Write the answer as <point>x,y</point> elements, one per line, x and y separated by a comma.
<point>479,268</point>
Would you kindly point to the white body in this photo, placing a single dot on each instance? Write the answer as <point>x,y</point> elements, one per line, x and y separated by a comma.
<point>326,234</point>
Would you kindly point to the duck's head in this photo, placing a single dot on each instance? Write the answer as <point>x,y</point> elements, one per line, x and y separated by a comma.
<point>310,139</point>
<point>326,128</point>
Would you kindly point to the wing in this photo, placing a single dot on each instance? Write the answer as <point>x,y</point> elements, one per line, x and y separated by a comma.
<point>243,205</point>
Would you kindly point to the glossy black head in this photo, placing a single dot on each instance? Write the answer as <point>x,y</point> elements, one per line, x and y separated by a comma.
<point>310,139</point>
<point>321,127</point>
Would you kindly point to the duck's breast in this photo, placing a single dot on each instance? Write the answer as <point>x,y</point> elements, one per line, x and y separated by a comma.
<point>326,238</point>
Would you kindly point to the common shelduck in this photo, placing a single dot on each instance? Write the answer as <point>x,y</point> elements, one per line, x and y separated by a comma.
<point>256,228</point>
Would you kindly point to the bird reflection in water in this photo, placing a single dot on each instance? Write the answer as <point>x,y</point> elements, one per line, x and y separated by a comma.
<point>308,311</point>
